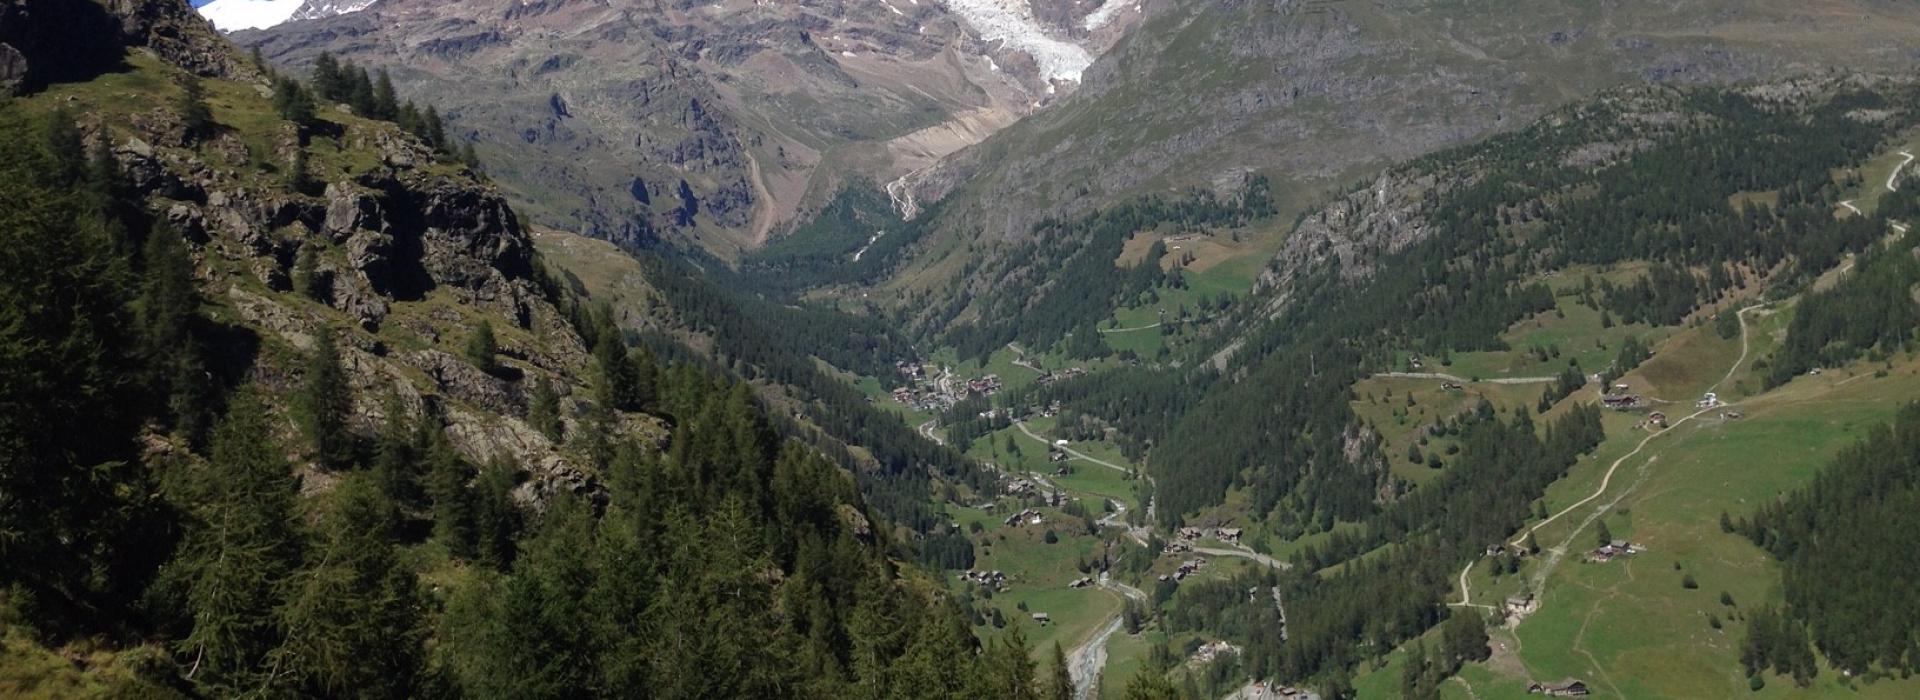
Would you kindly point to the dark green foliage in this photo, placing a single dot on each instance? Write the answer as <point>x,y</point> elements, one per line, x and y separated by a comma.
<point>195,116</point>
<point>294,103</point>
<point>1726,324</point>
<point>236,559</point>
<point>453,507</point>
<point>543,410</point>
<point>352,617</point>
<point>482,349</point>
<point>322,404</point>
<point>1846,543</point>
<point>1058,684</point>
<point>68,395</point>
<point>1869,310</point>
<point>164,315</point>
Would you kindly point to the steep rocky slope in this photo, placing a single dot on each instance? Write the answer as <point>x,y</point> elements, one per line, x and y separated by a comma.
<point>408,253</point>
<point>716,124</point>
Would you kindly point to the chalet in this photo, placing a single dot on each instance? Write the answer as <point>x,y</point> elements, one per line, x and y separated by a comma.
<point>1062,444</point>
<point>1177,547</point>
<point>1213,650</point>
<point>1064,470</point>
<point>1657,420</point>
<point>1620,402</point>
<point>1025,517</point>
<point>1189,567</point>
<point>1190,533</point>
<point>1730,415</point>
<point>1521,605</point>
<point>1709,400</point>
<point>1451,386</point>
<point>1229,534</point>
<point>1057,456</point>
<point>1081,582</point>
<point>993,579</point>
<point>1043,619</point>
<point>1568,688</point>
<point>1019,487</point>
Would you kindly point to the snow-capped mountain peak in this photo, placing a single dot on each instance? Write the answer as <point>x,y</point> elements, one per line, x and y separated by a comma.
<point>235,15</point>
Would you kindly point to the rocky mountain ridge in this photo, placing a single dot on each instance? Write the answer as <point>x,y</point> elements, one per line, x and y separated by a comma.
<point>718,125</point>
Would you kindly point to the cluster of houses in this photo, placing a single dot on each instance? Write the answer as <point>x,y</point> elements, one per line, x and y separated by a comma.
<point>1065,374</point>
<point>1224,534</point>
<point>934,396</point>
<point>1186,568</point>
<point>991,579</point>
<point>1028,516</point>
<point>1617,548</point>
<point>1213,650</point>
<point>1568,688</point>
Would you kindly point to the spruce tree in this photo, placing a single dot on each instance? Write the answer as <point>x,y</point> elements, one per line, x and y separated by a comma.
<point>353,615</point>
<point>323,403</point>
<point>385,105</point>
<point>195,116</point>
<point>447,476</point>
<point>543,410</point>
<point>164,314</point>
<point>1059,681</point>
<point>482,348</point>
<point>239,558</point>
<point>496,522</point>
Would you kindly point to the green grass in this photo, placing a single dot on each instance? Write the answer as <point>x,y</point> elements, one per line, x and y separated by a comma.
<point>1628,627</point>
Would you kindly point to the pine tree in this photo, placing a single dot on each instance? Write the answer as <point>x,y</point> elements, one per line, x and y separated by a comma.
<point>543,410</point>
<point>482,348</point>
<point>453,517</point>
<point>323,403</point>
<point>237,562</point>
<point>385,105</point>
<point>294,103</point>
<point>195,116</point>
<point>395,457</point>
<point>164,314</point>
<point>495,520</point>
<point>435,130</point>
<point>299,173</point>
<point>1009,667</point>
<point>328,81</point>
<point>352,620</point>
<point>1146,684</point>
<point>1059,681</point>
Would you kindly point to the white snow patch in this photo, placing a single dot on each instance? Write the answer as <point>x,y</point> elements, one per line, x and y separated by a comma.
<point>1012,22</point>
<point>234,15</point>
<point>1104,14</point>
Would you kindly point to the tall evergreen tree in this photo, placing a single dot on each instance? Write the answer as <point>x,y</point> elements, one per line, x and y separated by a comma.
<point>1059,680</point>
<point>195,116</point>
<point>164,314</point>
<point>237,559</point>
<point>482,349</point>
<point>353,615</point>
<point>323,403</point>
<point>543,410</point>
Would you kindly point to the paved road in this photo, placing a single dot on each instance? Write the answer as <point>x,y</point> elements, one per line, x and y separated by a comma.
<point>1895,175</point>
<point>1463,380</point>
<point>927,430</point>
<point>1076,454</point>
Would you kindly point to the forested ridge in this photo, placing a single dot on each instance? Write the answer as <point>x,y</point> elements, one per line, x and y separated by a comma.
<point>207,516</point>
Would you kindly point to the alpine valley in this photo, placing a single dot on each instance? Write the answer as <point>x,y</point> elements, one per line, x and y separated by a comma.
<point>1022,349</point>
